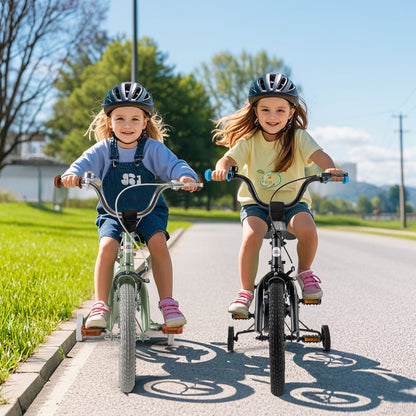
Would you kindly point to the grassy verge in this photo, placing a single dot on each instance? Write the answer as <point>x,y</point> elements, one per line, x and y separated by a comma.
<point>46,272</point>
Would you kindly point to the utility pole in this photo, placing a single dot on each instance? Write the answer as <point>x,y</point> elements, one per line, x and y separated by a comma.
<point>402,190</point>
<point>134,53</point>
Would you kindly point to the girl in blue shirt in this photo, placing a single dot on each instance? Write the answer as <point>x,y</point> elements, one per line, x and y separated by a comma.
<point>130,150</point>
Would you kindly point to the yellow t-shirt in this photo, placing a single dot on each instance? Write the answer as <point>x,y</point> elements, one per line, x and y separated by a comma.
<point>255,159</point>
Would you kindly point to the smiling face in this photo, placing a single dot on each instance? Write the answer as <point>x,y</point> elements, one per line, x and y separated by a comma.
<point>273,114</point>
<point>128,124</point>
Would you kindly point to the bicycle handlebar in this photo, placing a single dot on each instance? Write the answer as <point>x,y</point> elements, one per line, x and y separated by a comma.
<point>89,181</point>
<point>322,177</point>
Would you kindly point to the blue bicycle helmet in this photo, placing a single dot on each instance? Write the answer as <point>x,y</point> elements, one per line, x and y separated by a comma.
<point>273,84</point>
<point>128,94</point>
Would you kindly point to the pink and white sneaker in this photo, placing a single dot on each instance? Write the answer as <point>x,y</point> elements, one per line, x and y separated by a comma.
<point>309,283</point>
<point>242,303</point>
<point>98,316</point>
<point>171,313</point>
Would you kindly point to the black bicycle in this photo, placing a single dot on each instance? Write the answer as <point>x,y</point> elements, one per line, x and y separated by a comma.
<point>276,313</point>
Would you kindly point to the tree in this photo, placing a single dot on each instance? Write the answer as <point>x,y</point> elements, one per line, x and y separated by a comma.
<point>364,205</point>
<point>227,78</point>
<point>36,38</point>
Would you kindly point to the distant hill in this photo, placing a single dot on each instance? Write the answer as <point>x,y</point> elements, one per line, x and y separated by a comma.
<point>352,190</point>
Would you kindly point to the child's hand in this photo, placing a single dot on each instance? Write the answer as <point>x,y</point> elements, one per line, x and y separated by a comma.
<point>70,181</point>
<point>337,171</point>
<point>219,174</point>
<point>187,179</point>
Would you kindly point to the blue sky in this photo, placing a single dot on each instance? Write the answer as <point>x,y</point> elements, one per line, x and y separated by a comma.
<point>354,60</point>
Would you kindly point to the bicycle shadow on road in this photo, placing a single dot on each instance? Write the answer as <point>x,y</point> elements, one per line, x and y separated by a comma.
<point>197,372</point>
<point>345,381</point>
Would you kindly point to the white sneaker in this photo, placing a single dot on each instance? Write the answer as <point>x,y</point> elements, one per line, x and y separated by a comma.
<point>99,315</point>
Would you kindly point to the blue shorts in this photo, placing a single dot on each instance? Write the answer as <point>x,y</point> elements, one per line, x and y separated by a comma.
<point>263,213</point>
<point>156,221</point>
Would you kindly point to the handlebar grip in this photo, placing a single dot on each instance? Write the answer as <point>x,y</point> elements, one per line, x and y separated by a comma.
<point>345,180</point>
<point>58,181</point>
<point>208,175</point>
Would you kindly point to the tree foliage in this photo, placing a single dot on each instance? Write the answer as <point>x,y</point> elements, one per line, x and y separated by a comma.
<point>36,38</point>
<point>228,77</point>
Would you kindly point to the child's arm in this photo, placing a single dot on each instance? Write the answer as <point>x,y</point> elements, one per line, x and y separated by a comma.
<point>222,167</point>
<point>325,162</point>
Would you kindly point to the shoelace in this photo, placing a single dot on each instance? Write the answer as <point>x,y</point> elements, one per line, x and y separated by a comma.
<point>99,309</point>
<point>309,280</point>
<point>170,309</point>
<point>243,297</point>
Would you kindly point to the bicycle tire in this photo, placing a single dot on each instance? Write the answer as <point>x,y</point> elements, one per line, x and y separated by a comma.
<point>277,337</point>
<point>127,347</point>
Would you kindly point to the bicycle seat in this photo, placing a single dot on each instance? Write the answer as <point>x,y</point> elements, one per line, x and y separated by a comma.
<point>286,234</point>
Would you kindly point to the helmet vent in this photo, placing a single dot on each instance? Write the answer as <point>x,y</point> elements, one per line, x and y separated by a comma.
<point>127,88</point>
<point>116,93</point>
<point>136,93</point>
<point>261,84</point>
<point>282,83</point>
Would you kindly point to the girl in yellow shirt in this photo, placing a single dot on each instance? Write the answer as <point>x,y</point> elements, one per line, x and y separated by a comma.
<point>267,140</point>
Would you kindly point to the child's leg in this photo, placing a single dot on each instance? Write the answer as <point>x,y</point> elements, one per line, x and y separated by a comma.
<point>103,275</point>
<point>161,264</point>
<point>303,227</point>
<point>104,266</point>
<point>163,275</point>
<point>254,229</point>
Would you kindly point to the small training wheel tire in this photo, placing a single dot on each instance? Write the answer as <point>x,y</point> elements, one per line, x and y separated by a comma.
<point>80,324</point>
<point>230,341</point>
<point>326,337</point>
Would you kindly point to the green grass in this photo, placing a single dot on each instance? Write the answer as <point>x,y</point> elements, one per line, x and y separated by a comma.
<point>46,272</point>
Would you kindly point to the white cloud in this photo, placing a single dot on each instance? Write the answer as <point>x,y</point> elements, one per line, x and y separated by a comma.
<point>375,164</point>
<point>340,135</point>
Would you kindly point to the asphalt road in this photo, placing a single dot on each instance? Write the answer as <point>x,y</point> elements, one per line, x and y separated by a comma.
<point>369,305</point>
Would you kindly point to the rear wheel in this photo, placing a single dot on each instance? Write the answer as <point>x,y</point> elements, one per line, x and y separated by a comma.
<point>277,336</point>
<point>127,351</point>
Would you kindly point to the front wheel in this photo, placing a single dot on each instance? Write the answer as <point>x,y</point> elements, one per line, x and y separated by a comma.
<point>277,336</point>
<point>127,351</point>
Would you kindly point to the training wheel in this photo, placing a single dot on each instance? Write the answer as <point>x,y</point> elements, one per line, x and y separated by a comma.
<point>80,324</point>
<point>326,338</point>
<point>230,340</point>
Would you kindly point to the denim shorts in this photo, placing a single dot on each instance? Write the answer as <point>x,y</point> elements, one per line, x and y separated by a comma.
<point>263,213</point>
<point>156,221</point>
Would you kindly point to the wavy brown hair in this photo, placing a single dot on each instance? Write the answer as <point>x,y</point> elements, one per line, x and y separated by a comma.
<point>100,127</point>
<point>242,125</point>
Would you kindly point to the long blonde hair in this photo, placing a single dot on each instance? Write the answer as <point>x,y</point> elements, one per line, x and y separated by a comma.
<point>242,125</point>
<point>100,127</point>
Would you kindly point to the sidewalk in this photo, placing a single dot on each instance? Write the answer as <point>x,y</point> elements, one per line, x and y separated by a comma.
<point>22,387</point>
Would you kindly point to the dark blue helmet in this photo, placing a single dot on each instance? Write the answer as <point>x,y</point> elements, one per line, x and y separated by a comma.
<point>128,94</point>
<point>273,84</point>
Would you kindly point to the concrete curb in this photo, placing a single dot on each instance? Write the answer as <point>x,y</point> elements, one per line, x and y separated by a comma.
<point>21,388</point>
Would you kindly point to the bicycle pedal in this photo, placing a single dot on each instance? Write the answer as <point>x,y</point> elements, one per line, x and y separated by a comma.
<point>172,330</point>
<point>310,301</point>
<point>241,317</point>
<point>311,338</point>
<point>91,332</point>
